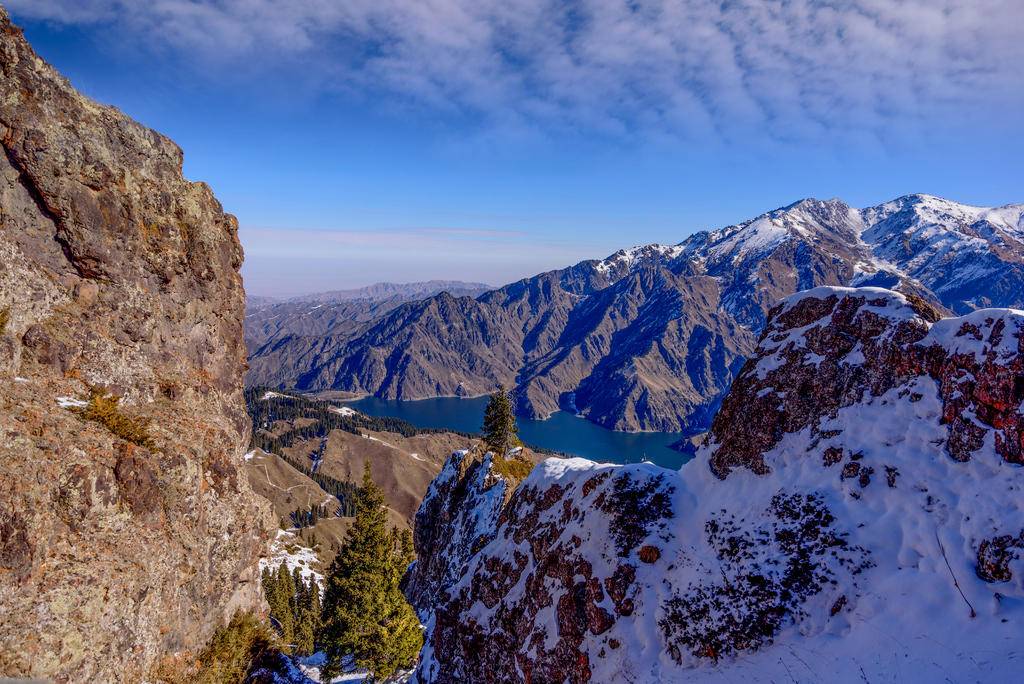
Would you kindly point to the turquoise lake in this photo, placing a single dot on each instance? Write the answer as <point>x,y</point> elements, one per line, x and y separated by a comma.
<point>561,432</point>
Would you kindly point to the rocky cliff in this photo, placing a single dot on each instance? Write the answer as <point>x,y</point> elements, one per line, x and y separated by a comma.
<point>459,514</point>
<point>651,337</point>
<point>854,515</point>
<point>127,531</point>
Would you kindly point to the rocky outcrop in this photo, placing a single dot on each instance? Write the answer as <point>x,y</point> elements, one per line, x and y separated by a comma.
<point>860,481</point>
<point>651,337</point>
<point>126,528</point>
<point>830,345</point>
<point>540,592</point>
<point>458,516</point>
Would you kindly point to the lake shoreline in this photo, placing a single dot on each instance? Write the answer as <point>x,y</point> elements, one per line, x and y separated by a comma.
<point>562,432</point>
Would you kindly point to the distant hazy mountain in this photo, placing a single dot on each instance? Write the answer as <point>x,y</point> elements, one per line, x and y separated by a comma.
<point>392,291</point>
<point>651,337</point>
<point>339,313</point>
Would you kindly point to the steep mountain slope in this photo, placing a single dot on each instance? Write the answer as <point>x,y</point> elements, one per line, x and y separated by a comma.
<point>458,515</point>
<point>546,335</point>
<point>651,337</point>
<point>970,257</point>
<point>127,531</point>
<point>855,515</point>
<point>271,324</point>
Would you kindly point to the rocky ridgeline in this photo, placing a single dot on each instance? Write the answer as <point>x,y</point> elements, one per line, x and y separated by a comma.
<point>855,512</point>
<point>825,348</point>
<point>127,531</point>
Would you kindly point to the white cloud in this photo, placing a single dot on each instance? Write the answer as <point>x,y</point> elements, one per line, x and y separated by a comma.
<point>787,69</point>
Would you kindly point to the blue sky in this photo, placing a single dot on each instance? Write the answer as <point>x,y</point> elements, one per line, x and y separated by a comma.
<point>488,140</point>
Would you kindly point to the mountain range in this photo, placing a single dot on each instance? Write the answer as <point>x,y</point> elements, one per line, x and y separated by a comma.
<point>651,337</point>
<point>853,513</point>
<point>339,313</point>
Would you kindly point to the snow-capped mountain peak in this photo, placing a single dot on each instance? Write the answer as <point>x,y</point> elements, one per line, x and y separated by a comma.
<point>940,213</point>
<point>807,220</point>
<point>969,256</point>
<point>624,260</point>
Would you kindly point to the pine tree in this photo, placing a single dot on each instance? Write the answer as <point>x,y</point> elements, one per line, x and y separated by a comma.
<point>315,610</point>
<point>406,551</point>
<point>305,624</point>
<point>281,603</point>
<point>294,606</point>
<point>365,616</point>
<point>500,423</point>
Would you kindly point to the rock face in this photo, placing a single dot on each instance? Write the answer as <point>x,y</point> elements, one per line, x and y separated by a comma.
<point>856,508</point>
<point>457,517</point>
<point>830,345</point>
<point>119,541</point>
<point>651,337</point>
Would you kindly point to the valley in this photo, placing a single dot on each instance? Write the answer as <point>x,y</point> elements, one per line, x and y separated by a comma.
<point>311,453</point>
<point>649,338</point>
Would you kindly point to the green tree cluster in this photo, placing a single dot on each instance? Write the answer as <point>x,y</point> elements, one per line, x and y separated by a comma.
<point>500,423</point>
<point>308,516</point>
<point>294,606</point>
<point>324,416</point>
<point>366,620</point>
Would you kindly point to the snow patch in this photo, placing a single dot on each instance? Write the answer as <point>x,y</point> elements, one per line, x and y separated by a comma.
<point>979,333</point>
<point>628,258</point>
<point>286,548</point>
<point>344,411</point>
<point>273,395</point>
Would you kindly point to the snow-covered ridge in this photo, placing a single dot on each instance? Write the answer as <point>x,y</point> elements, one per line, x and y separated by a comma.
<point>981,333</point>
<point>874,532</point>
<point>882,301</point>
<point>935,212</point>
<point>806,219</point>
<point>626,259</point>
<point>782,337</point>
<point>915,236</point>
